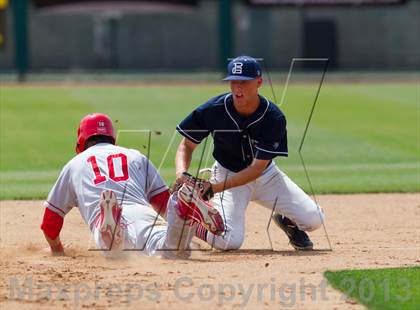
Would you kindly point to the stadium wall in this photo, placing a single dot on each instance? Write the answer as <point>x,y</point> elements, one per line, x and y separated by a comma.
<point>384,37</point>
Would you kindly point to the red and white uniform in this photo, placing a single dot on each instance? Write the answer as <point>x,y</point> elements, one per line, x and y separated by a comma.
<point>134,180</point>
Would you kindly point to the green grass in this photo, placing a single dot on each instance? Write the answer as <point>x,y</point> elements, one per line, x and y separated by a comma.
<point>363,138</point>
<point>397,288</point>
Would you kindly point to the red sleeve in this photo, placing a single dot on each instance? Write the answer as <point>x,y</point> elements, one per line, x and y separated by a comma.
<point>160,201</point>
<point>51,224</point>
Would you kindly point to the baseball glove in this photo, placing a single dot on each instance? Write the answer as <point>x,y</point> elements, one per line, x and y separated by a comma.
<point>202,186</point>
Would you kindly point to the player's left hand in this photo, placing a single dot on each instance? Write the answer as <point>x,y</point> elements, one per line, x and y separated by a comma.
<point>203,187</point>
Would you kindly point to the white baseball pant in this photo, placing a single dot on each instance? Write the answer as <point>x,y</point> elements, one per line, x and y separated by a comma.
<point>144,230</point>
<point>273,189</point>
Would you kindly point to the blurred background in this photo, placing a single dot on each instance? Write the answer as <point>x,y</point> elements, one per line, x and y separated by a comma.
<point>40,36</point>
<point>148,64</point>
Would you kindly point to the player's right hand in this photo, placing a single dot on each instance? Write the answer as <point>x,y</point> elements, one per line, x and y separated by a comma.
<point>57,250</point>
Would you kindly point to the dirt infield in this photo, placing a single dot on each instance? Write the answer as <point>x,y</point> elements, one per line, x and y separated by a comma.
<point>366,231</point>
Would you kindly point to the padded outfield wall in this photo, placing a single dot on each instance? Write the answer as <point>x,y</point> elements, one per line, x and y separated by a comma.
<point>385,37</point>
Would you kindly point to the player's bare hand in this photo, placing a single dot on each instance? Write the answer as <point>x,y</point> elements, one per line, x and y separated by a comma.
<point>57,250</point>
<point>49,251</point>
<point>57,253</point>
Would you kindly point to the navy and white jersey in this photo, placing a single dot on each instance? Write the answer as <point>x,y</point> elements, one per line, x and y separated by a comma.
<point>237,139</point>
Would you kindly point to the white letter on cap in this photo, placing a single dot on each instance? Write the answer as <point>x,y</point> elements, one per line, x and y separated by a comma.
<point>237,68</point>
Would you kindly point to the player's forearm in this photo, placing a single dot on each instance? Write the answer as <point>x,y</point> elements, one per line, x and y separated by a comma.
<point>183,157</point>
<point>51,226</point>
<point>241,178</point>
<point>182,161</point>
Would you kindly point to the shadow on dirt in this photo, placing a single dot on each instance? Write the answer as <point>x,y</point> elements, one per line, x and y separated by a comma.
<point>264,252</point>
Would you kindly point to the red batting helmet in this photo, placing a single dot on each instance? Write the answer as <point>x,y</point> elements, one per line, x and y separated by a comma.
<point>95,124</point>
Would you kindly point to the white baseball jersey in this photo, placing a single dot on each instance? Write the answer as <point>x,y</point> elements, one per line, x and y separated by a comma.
<point>127,172</point>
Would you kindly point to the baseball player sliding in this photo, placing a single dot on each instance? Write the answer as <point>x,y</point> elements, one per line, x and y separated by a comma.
<point>248,131</point>
<point>123,199</point>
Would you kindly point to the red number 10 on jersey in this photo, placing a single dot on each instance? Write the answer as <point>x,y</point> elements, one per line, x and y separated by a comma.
<point>111,170</point>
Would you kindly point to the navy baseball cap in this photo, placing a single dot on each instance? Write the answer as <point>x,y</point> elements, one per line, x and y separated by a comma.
<point>243,68</point>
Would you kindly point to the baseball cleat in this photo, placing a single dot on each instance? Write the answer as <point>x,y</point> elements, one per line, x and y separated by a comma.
<point>192,206</point>
<point>298,238</point>
<point>109,219</point>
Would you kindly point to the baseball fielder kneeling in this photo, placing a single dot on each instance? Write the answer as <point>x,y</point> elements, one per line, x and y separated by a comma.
<point>248,132</point>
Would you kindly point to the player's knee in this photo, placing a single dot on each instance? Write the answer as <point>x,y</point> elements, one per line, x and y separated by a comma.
<point>313,220</point>
<point>229,242</point>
